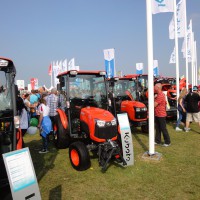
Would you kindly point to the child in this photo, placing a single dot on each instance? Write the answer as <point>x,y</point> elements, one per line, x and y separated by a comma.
<point>44,124</point>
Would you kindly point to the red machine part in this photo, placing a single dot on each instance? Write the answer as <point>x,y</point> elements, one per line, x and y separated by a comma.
<point>89,119</point>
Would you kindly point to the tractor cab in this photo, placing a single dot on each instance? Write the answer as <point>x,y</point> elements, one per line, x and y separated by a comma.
<point>9,135</point>
<point>84,122</point>
<point>142,86</point>
<point>126,95</point>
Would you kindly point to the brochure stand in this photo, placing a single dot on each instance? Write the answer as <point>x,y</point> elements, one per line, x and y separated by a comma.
<point>126,138</point>
<point>21,175</point>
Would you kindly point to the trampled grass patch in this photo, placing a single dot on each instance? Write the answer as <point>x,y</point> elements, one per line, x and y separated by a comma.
<point>175,176</point>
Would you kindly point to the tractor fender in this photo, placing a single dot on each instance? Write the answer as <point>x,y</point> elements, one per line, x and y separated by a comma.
<point>63,118</point>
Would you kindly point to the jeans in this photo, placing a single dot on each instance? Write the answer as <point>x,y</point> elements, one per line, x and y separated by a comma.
<point>53,121</point>
<point>45,142</point>
<point>160,125</point>
<point>179,119</point>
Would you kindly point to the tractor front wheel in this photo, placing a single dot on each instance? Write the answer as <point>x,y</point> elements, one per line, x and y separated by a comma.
<point>79,156</point>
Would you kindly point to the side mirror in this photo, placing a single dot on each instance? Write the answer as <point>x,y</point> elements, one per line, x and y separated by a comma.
<point>62,82</point>
<point>58,87</point>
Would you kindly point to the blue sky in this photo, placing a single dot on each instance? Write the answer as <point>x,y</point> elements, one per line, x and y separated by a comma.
<point>34,33</point>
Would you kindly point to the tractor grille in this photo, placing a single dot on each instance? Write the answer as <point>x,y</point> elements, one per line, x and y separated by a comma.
<point>172,94</point>
<point>106,132</point>
<point>141,115</point>
<point>172,102</point>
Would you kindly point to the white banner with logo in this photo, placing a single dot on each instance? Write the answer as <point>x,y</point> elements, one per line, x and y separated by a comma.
<point>126,138</point>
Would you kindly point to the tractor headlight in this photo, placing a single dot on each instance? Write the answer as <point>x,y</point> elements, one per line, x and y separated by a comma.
<point>144,109</point>
<point>113,122</point>
<point>140,109</point>
<point>137,109</point>
<point>100,123</point>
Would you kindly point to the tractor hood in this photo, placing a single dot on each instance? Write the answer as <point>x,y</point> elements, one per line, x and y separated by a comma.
<point>132,104</point>
<point>106,128</point>
<point>92,113</point>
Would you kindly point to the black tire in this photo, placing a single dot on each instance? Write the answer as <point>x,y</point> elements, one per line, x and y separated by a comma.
<point>79,156</point>
<point>62,138</point>
<point>145,128</point>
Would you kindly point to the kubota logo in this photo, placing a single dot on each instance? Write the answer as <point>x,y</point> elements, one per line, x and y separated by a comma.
<point>159,1</point>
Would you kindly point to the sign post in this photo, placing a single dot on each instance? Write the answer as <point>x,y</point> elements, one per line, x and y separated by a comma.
<point>126,138</point>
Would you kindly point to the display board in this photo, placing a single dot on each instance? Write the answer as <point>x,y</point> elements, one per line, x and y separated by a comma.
<point>126,137</point>
<point>21,175</point>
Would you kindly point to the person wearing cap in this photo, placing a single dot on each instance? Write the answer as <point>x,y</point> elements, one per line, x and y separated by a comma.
<point>52,102</point>
<point>192,99</point>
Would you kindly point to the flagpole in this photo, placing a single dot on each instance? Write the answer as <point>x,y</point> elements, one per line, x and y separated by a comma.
<point>51,72</point>
<point>176,52</point>
<point>186,46</point>
<point>195,51</point>
<point>192,54</point>
<point>150,77</point>
<point>114,64</point>
<point>196,63</point>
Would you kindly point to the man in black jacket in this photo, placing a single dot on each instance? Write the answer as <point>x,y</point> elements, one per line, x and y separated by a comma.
<point>192,99</point>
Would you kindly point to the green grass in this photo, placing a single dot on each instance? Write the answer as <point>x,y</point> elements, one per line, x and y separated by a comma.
<point>175,176</point>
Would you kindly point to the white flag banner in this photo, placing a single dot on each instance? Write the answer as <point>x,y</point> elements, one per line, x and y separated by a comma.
<point>172,57</point>
<point>109,59</point>
<point>191,43</point>
<point>139,68</point>
<point>56,71</point>
<point>60,67</point>
<point>109,54</point>
<point>77,68</point>
<point>199,74</point>
<point>71,64</point>
<point>155,63</point>
<point>64,65</point>
<point>55,66</point>
<point>160,6</point>
<point>189,35</point>
<point>155,68</point>
<point>180,9</point>
<point>20,84</point>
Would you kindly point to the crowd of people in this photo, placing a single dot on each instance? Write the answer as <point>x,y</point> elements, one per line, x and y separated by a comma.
<point>42,105</point>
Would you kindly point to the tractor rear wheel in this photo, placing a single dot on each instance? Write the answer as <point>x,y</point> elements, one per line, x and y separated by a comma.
<point>62,137</point>
<point>79,156</point>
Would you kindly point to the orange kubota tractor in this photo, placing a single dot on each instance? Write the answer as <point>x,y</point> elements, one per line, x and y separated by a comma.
<point>125,100</point>
<point>169,88</point>
<point>84,123</point>
<point>10,135</point>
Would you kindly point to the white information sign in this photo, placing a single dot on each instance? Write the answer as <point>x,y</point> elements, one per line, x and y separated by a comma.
<point>126,138</point>
<point>21,175</point>
<point>20,84</point>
